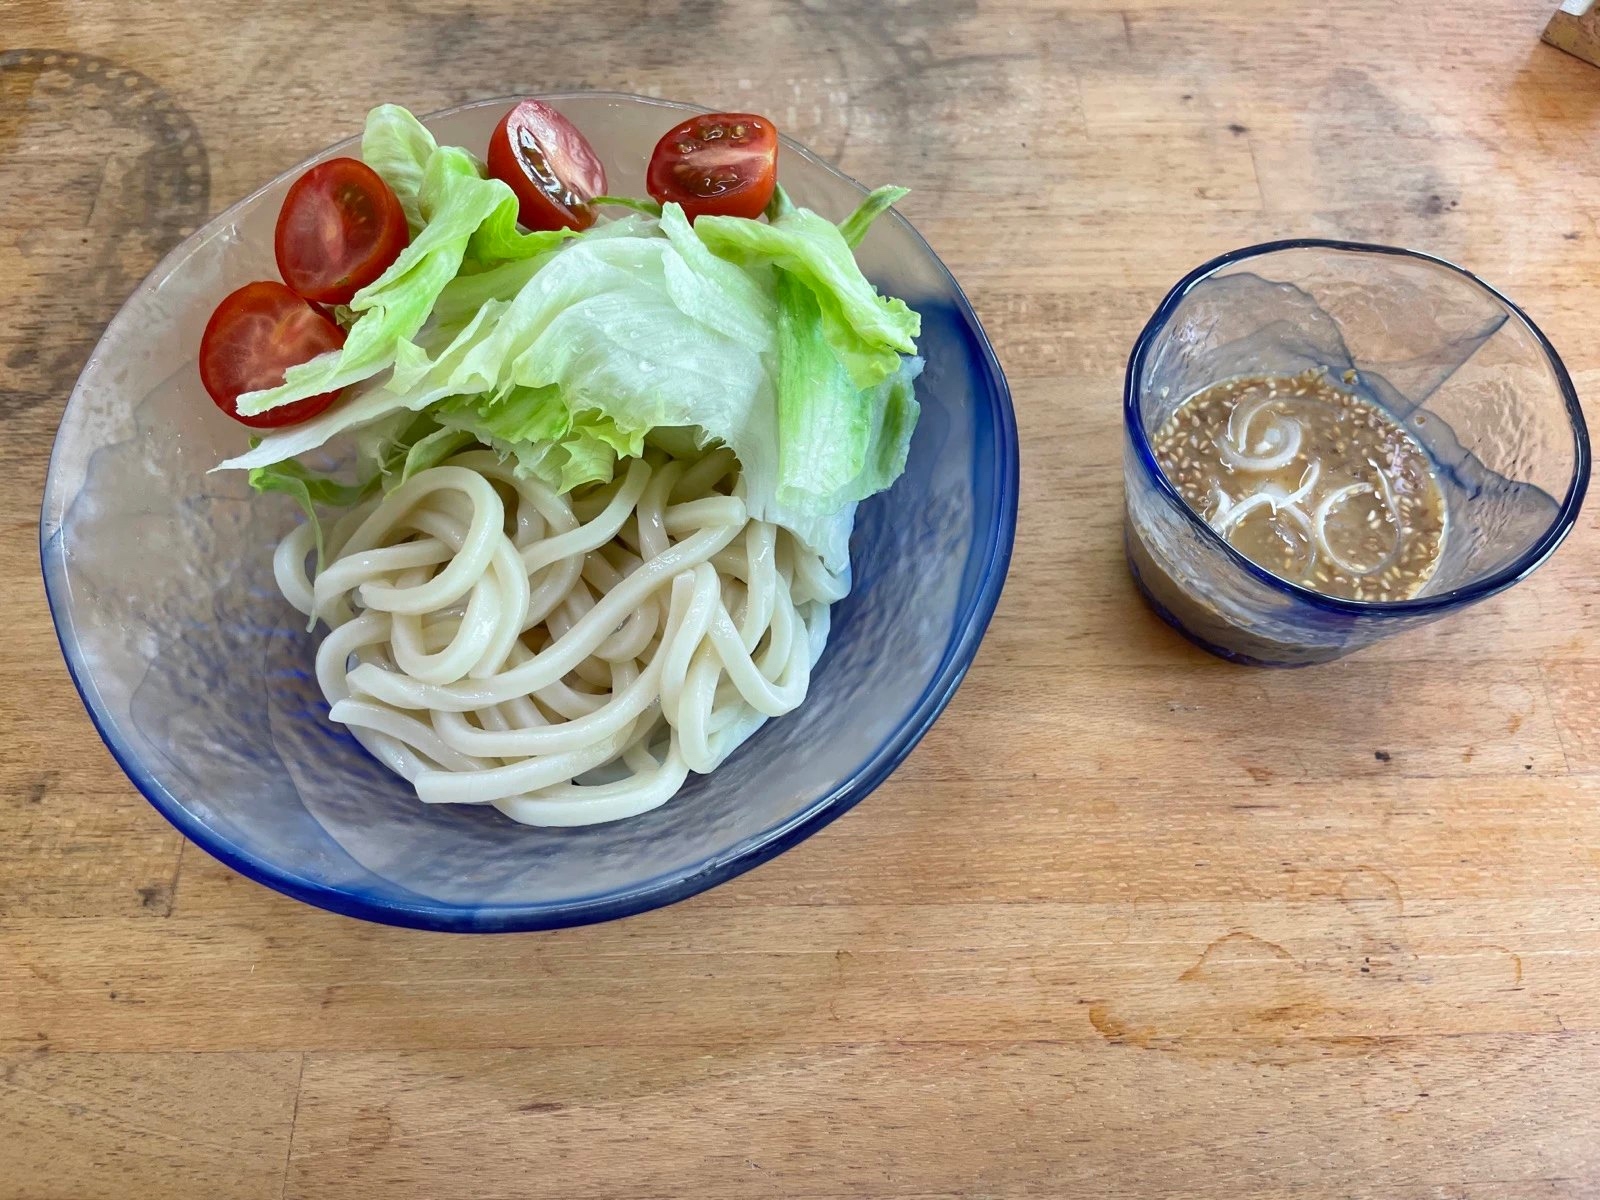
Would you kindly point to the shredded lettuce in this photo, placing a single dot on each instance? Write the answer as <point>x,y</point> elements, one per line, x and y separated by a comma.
<point>879,201</point>
<point>397,146</point>
<point>547,440</point>
<point>866,331</point>
<point>308,490</point>
<point>650,208</point>
<point>836,443</point>
<point>428,448</point>
<point>565,352</point>
<point>421,443</point>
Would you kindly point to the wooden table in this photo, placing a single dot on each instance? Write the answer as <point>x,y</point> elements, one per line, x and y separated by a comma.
<point>1131,922</point>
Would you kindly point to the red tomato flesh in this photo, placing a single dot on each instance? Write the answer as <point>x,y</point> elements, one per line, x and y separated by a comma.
<point>254,336</point>
<point>340,227</point>
<point>549,165</point>
<point>719,164</point>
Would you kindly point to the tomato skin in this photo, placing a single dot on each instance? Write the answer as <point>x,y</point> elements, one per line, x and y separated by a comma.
<point>256,334</point>
<point>716,164</point>
<point>340,228</point>
<point>549,165</point>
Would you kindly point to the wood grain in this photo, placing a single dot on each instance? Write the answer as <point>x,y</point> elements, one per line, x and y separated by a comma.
<point>1131,922</point>
<point>956,1120</point>
<point>82,1126</point>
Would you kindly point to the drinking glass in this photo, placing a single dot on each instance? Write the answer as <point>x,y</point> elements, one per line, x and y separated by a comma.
<point>1442,352</point>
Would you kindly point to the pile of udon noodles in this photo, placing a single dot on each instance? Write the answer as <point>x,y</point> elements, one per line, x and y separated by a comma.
<point>567,659</point>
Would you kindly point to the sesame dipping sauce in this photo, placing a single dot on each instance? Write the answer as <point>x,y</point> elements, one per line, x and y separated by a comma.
<point>1310,482</point>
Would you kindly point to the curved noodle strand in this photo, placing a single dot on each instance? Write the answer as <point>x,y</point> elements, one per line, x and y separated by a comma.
<point>568,660</point>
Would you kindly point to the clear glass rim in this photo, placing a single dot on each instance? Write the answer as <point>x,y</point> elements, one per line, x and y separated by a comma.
<point>989,561</point>
<point>1524,565</point>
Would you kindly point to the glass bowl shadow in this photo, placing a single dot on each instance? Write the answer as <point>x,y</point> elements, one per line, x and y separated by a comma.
<point>1457,363</point>
<point>197,673</point>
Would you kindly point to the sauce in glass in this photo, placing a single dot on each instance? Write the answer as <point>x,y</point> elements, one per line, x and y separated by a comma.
<point>1310,482</point>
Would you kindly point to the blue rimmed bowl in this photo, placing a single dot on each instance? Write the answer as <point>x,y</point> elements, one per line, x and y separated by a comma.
<point>197,673</point>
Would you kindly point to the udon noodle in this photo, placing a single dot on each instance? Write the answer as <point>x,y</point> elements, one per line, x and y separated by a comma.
<point>567,659</point>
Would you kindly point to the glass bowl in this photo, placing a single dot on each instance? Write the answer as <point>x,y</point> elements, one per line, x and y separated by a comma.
<point>1442,352</point>
<point>197,673</point>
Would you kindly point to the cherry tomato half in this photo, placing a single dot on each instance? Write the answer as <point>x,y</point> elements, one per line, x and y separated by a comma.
<point>340,227</point>
<point>549,165</point>
<point>719,164</point>
<point>256,334</point>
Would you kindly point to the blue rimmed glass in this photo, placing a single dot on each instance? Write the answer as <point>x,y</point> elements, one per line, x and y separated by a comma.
<point>197,674</point>
<point>1437,348</point>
